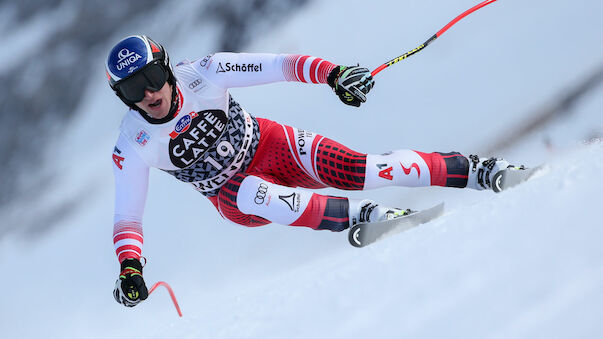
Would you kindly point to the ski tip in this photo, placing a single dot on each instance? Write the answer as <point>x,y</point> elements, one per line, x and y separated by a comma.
<point>439,207</point>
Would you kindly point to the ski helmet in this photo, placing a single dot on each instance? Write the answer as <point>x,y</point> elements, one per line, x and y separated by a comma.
<point>137,63</point>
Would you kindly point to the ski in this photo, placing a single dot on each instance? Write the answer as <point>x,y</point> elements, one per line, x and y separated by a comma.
<point>510,177</point>
<point>365,234</point>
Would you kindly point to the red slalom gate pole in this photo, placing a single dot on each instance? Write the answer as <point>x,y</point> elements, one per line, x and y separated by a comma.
<point>432,38</point>
<point>167,286</point>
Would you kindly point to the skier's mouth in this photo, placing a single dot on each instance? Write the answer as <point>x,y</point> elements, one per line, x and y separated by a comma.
<point>155,104</point>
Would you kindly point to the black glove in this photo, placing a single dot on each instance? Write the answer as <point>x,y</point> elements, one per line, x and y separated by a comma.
<point>351,84</point>
<point>130,288</point>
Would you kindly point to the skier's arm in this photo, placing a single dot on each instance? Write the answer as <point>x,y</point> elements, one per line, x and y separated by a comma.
<point>131,183</point>
<point>229,70</point>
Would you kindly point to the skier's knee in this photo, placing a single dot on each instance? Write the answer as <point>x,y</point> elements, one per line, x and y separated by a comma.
<point>227,204</point>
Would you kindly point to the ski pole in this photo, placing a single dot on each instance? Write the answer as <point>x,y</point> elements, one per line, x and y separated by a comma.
<point>167,286</point>
<point>430,40</point>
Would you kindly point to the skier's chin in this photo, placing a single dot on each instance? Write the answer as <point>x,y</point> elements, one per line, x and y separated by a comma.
<point>157,109</point>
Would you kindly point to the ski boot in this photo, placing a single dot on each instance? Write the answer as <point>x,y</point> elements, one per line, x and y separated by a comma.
<point>489,173</point>
<point>368,211</point>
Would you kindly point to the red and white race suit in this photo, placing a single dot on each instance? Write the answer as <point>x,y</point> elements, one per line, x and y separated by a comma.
<point>250,168</point>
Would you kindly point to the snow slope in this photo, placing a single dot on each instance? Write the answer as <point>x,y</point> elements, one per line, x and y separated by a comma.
<point>522,264</point>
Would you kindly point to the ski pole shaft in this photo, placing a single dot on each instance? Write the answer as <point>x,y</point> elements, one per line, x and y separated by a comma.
<point>167,286</point>
<point>432,38</point>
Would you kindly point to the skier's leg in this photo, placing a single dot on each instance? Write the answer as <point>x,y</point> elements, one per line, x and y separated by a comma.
<point>415,169</point>
<point>252,200</point>
<point>303,158</point>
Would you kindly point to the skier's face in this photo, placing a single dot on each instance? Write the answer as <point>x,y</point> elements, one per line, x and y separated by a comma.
<point>157,103</point>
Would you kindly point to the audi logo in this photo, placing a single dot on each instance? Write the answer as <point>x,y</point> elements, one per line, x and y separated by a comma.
<point>260,195</point>
<point>195,83</point>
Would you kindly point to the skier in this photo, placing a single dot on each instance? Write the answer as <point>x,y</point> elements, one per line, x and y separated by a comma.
<point>183,121</point>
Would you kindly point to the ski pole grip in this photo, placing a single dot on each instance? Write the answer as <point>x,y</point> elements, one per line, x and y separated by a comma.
<point>172,295</point>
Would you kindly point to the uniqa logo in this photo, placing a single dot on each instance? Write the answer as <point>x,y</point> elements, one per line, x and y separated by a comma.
<point>126,58</point>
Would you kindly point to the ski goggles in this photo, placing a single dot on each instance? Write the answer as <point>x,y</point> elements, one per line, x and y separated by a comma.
<point>153,76</point>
